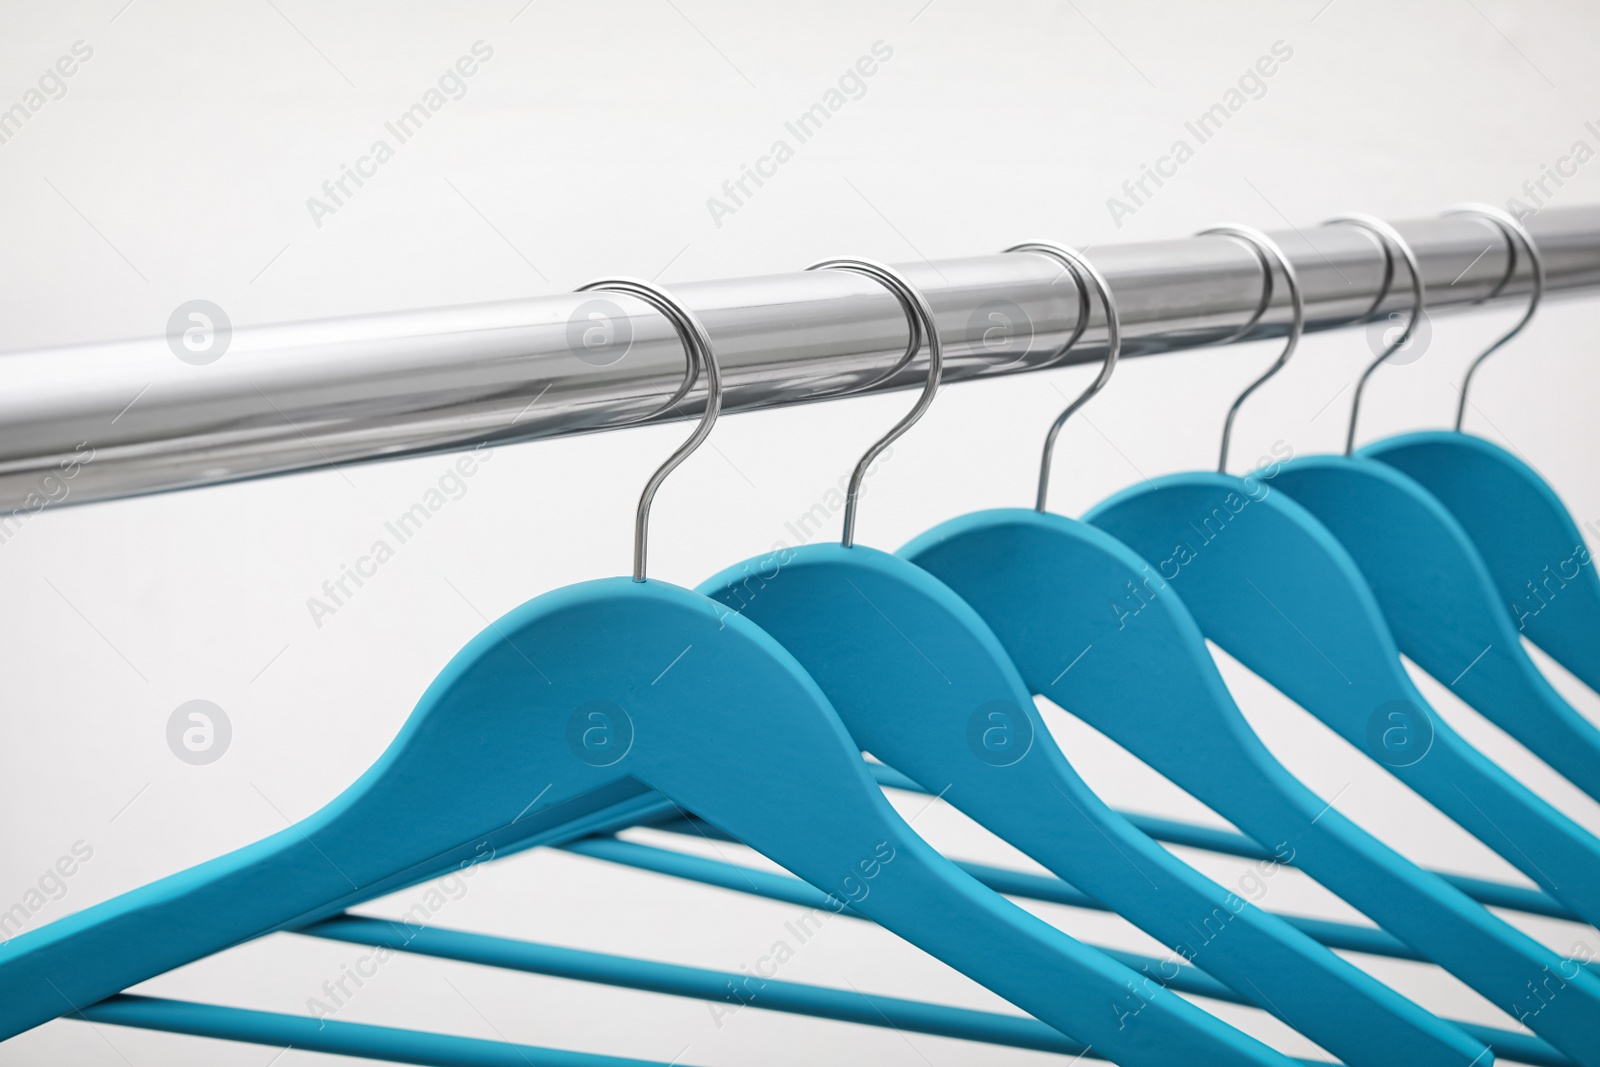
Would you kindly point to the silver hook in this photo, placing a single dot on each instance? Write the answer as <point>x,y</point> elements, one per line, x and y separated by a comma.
<point>1509,228</point>
<point>697,348</point>
<point>1263,246</point>
<point>919,319</point>
<point>1388,236</point>
<point>1079,268</point>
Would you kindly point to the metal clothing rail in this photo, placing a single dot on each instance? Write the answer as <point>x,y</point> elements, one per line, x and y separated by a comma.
<point>197,407</point>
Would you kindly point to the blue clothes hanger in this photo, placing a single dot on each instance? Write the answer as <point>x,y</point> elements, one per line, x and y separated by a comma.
<point>1267,582</point>
<point>1101,632</point>
<point>923,684</point>
<point>1435,590</point>
<point>577,703</point>
<point>1534,551</point>
<point>1271,585</point>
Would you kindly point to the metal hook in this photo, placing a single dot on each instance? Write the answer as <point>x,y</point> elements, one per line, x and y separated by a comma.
<point>1509,228</point>
<point>1389,236</point>
<point>1079,268</point>
<point>919,319</point>
<point>1263,246</point>
<point>697,348</point>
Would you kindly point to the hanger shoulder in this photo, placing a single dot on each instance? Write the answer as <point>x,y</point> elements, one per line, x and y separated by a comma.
<point>1535,553</point>
<point>1441,603</point>
<point>922,683</point>
<point>1100,631</point>
<point>1266,581</point>
<point>1272,586</point>
<point>584,698</point>
<point>1276,590</point>
<point>497,749</point>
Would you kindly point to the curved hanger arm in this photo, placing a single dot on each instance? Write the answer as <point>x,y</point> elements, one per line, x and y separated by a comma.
<point>1102,632</point>
<point>1536,554</point>
<point>1442,606</point>
<point>1272,586</point>
<point>922,683</point>
<point>528,728</point>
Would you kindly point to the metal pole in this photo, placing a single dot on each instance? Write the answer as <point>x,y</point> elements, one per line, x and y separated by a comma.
<point>97,422</point>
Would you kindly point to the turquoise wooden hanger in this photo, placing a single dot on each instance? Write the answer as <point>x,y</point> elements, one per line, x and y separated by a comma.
<point>923,684</point>
<point>578,703</point>
<point>1103,633</point>
<point>1319,636</point>
<point>1534,551</point>
<point>1268,583</point>
<point>1439,599</point>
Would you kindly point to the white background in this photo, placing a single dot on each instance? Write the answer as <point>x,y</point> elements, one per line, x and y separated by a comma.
<point>178,164</point>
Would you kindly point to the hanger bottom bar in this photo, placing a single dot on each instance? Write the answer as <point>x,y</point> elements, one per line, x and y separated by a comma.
<point>736,989</point>
<point>385,1043</point>
<point>1189,979</point>
<point>1530,900</point>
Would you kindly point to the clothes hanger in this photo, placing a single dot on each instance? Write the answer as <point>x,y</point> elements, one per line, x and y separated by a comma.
<point>1101,632</point>
<point>1533,549</point>
<point>1436,592</point>
<point>1271,585</point>
<point>578,702</point>
<point>923,684</point>
<point>1267,582</point>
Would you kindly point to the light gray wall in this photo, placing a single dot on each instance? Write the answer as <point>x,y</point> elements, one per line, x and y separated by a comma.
<point>178,165</point>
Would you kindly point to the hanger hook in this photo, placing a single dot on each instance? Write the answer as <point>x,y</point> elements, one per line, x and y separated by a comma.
<point>699,354</point>
<point>1389,237</point>
<point>1080,268</point>
<point>919,319</point>
<point>1264,247</point>
<point>1510,229</point>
